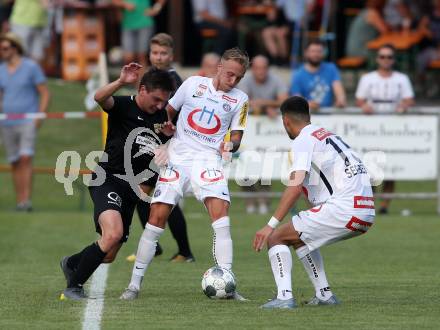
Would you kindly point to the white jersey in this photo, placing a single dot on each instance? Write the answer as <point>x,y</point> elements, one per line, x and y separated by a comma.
<point>384,94</point>
<point>334,171</point>
<point>205,117</point>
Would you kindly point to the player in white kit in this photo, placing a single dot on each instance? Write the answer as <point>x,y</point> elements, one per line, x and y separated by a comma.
<point>208,107</point>
<point>336,183</point>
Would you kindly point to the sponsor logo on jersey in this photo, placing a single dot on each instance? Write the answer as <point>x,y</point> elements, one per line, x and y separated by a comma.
<point>114,199</point>
<point>201,89</point>
<point>358,225</point>
<point>321,134</point>
<point>362,202</point>
<point>157,193</point>
<point>204,121</point>
<point>226,107</point>
<point>211,175</point>
<point>169,175</point>
<point>229,99</point>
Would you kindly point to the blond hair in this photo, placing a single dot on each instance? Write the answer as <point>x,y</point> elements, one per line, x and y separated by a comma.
<point>237,55</point>
<point>162,39</point>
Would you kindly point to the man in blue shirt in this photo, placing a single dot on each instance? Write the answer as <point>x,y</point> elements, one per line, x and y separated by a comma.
<point>317,81</point>
<point>23,89</point>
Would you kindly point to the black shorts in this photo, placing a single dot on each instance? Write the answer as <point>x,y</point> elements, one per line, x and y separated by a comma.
<point>114,194</point>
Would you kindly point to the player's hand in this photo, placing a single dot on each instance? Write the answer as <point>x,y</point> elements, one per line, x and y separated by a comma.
<point>168,128</point>
<point>161,155</point>
<point>225,150</point>
<point>130,73</point>
<point>261,237</point>
<point>314,106</point>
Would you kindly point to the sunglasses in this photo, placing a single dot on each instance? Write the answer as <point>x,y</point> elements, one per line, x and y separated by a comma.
<point>386,57</point>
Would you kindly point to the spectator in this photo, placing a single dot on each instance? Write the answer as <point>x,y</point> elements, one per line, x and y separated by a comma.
<point>385,91</point>
<point>213,15</point>
<point>137,27</point>
<point>5,11</point>
<point>317,81</point>
<point>208,67</point>
<point>288,14</point>
<point>266,93</point>
<point>365,27</point>
<point>430,25</point>
<point>29,21</point>
<point>24,90</point>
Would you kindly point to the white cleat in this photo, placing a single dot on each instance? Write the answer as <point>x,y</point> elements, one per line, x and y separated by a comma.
<point>129,293</point>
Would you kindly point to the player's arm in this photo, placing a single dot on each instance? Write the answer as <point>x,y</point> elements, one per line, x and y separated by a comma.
<point>129,75</point>
<point>290,196</point>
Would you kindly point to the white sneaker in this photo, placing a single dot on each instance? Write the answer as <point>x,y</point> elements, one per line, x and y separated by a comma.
<point>130,293</point>
<point>251,209</point>
<point>263,208</point>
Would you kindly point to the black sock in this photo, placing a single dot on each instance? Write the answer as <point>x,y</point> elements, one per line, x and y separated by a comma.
<point>91,258</point>
<point>143,210</point>
<point>73,260</point>
<point>177,224</point>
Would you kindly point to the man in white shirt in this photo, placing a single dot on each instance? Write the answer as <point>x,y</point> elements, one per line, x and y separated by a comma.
<point>385,91</point>
<point>336,183</point>
<point>209,108</point>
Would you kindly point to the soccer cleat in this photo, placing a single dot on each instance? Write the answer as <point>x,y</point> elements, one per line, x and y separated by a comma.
<point>383,211</point>
<point>129,293</point>
<point>180,258</point>
<point>237,296</point>
<point>75,293</point>
<point>280,304</point>
<point>68,273</point>
<point>315,301</point>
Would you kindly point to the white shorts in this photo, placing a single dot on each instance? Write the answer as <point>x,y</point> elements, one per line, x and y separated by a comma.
<point>330,223</point>
<point>203,180</point>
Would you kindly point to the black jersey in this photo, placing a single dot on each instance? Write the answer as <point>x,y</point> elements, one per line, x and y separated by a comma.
<point>125,121</point>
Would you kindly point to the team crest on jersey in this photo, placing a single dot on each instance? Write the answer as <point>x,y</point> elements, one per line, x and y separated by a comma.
<point>204,121</point>
<point>226,107</point>
<point>321,134</point>
<point>211,175</point>
<point>201,89</point>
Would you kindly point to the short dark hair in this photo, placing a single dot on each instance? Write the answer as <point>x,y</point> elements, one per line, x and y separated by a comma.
<point>157,79</point>
<point>315,42</point>
<point>387,46</point>
<point>296,107</point>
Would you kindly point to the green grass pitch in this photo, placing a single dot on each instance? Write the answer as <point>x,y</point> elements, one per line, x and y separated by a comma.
<point>386,279</point>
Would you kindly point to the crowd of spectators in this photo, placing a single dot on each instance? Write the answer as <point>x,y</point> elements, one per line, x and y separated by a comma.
<point>28,24</point>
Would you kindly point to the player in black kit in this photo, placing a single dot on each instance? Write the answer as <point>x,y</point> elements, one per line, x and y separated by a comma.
<point>134,136</point>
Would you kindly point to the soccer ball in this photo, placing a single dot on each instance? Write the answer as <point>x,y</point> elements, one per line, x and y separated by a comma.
<point>218,282</point>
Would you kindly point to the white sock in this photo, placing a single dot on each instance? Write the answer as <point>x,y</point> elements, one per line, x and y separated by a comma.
<point>145,254</point>
<point>281,261</point>
<point>314,267</point>
<point>222,243</point>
